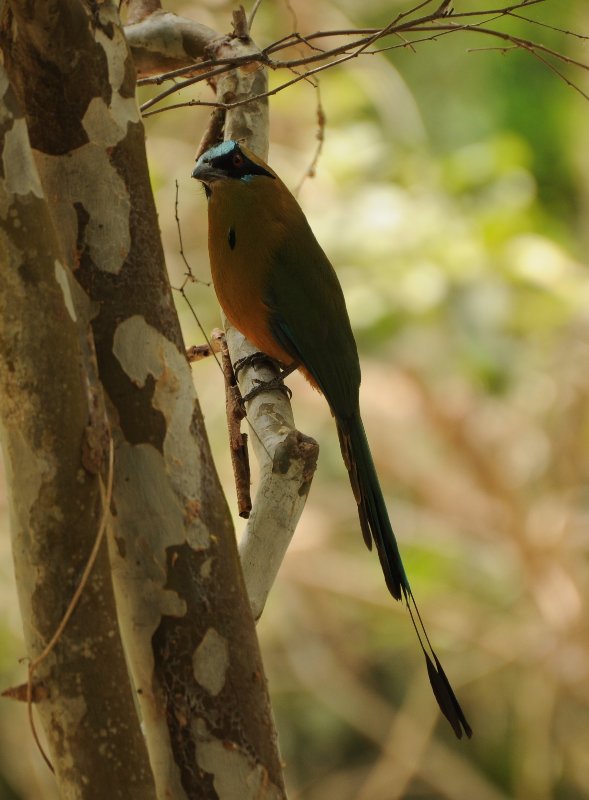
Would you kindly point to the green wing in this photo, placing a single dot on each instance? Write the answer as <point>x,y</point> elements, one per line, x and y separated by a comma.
<point>309,319</point>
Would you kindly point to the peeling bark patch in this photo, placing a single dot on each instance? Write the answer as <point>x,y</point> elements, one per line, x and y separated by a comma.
<point>87,179</point>
<point>121,71</point>
<point>144,352</point>
<point>173,645</point>
<point>193,713</point>
<point>140,421</point>
<point>63,281</point>
<point>210,662</point>
<point>116,57</point>
<point>44,75</point>
<point>106,125</point>
<point>151,521</point>
<point>138,348</point>
<point>235,773</point>
<point>192,510</point>
<point>19,168</point>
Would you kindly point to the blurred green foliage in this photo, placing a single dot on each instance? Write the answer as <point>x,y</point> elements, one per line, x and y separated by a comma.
<point>451,196</point>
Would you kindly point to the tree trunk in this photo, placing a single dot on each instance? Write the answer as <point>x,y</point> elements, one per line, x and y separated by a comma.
<point>54,437</point>
<point>183,611</point>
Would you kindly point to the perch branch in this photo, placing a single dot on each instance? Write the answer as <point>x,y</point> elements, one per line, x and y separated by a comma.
<point>287,460</point>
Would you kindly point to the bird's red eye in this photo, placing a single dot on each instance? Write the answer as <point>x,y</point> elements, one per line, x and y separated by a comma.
<point>237,160</point>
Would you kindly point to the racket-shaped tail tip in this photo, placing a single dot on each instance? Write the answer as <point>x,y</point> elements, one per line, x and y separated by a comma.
<point>447,701</point>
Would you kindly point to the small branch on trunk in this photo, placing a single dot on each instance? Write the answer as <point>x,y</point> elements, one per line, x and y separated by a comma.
<point>240,24</point>
<point>199,351</point>
<point>237,440</point>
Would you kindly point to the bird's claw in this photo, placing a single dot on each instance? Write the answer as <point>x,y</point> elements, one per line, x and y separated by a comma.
<point>267,386</point>
<point>251,361</point>
<point>261,386</point>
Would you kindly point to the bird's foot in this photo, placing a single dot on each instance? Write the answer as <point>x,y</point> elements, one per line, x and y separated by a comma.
<point>252,360</point>
<point>267,386</point>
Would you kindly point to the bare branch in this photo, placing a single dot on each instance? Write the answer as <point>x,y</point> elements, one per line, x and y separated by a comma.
<point>553,28</point>
<point>237,440</point>
<point>320,136</point>
<point>163,41</point>
<point>140,9</point>
<point>434,24</point>
<point>287,461</point>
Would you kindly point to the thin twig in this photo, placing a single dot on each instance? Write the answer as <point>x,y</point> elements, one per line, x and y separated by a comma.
<point>434,24</point>
<point>199,66</point>
<point>320,136</point>
<point>368,34</point>
<point>190,278</point>
<point>549,27</point>
<point>253,13</point>
<point>525,44</point>
<point>189,275</point>
<point>205,76</point>
<point>181,290</point>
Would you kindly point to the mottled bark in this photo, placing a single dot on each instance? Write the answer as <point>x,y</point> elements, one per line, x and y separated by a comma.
<point>54,438</point>
<point>183,609</point>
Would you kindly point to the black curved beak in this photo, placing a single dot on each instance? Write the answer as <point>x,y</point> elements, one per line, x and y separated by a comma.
<point>205,172</point>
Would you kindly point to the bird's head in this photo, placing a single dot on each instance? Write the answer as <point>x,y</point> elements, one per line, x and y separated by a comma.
<point>228,161</point>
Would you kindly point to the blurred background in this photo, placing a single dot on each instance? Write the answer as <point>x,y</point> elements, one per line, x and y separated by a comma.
<point>451,196</point>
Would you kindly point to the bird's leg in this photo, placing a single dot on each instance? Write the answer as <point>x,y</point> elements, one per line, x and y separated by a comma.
<point>266,386</point>
<point>252,360</point>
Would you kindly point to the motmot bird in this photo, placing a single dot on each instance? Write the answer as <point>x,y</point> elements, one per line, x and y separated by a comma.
<point>277,286</point>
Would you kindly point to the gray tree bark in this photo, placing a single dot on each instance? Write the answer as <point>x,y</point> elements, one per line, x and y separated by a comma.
<point>54,436</point>
<point>183,610</point>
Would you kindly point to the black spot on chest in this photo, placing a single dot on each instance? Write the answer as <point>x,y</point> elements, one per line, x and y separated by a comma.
<point>231,238</point>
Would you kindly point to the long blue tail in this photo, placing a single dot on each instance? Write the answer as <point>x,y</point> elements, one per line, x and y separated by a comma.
<point>376,527</point>
<point>374,517</point>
